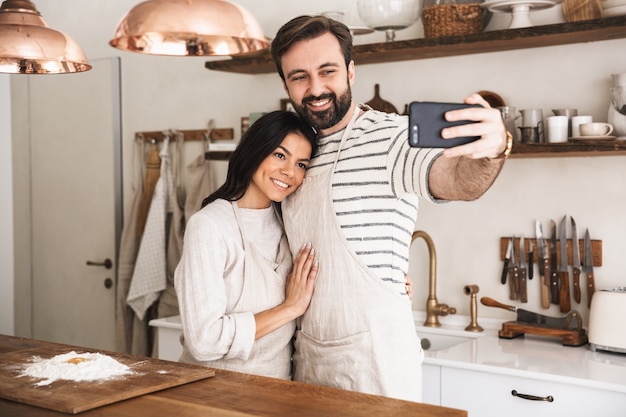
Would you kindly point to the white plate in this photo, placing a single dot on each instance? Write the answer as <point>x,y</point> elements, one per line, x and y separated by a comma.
<point>615,11</point>
<point>507,5</point>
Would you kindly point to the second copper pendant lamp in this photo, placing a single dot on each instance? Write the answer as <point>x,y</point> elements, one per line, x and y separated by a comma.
<point>189,28</point>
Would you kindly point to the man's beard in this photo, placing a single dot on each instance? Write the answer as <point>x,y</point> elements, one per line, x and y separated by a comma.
<point>326,119</point>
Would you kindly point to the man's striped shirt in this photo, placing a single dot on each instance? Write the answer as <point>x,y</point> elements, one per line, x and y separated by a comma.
<point>376,187</point>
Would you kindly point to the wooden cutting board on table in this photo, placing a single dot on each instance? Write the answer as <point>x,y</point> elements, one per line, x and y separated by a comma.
<point>67,396</point>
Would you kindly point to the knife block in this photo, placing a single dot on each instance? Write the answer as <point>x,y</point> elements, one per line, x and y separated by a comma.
<point>596,248</point>
<point>569,337</point>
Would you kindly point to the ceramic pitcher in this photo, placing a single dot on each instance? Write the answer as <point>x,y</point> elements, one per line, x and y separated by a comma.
<point>616,119</point>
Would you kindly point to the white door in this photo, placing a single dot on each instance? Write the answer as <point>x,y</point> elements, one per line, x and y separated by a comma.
<point>76,203</point>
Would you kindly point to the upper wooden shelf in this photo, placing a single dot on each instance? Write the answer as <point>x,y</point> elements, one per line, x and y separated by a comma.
<point>493,41</point>
<point>587,148</point>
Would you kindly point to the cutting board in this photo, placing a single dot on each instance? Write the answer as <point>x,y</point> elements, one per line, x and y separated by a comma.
<point>73,397</point>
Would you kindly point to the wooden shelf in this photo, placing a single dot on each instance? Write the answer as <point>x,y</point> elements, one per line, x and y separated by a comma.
<point>502,40</point>
<point>493,41</point>
<point>569,149</point>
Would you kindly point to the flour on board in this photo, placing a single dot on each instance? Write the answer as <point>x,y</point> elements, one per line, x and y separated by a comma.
<point>74,366</point>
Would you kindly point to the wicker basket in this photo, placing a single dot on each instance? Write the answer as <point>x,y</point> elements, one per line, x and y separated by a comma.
<point>452,19</point>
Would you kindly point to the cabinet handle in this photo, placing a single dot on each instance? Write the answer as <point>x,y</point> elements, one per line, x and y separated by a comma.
<point>549,398</point>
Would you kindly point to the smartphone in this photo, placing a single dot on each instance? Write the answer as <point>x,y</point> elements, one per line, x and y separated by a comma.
<point>426,120</point>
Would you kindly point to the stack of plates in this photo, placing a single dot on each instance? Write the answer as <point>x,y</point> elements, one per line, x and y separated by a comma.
<point>614,7</point>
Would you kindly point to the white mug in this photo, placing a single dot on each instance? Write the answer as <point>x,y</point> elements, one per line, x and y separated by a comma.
<point>569,113</point>
<point>595,129</point>
<point>577,121</point>
<point>557,129</point>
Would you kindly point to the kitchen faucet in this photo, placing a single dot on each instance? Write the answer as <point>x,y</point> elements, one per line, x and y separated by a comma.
<point>433,308</point>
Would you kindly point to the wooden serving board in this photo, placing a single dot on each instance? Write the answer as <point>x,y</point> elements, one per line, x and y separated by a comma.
<point>73,397</point>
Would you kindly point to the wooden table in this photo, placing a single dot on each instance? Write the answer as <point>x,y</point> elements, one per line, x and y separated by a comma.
<point>233,394</point>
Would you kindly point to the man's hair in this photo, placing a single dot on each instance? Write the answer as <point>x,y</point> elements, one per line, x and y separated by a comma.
<point>309,27</point>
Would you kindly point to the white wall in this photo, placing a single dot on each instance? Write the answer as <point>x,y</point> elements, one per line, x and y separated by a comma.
<point>161,93</point>
<point>6,210</point>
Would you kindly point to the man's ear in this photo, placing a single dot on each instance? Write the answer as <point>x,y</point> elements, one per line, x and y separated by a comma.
<point>351,73</point>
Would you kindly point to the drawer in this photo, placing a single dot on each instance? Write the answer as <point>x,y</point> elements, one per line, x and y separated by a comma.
<point>486,394</point>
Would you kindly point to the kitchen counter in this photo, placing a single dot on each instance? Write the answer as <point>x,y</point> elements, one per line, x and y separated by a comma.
<point>527,356</point>
<point>232,394</point>
<point>535,357</point>
<point>527,376</point>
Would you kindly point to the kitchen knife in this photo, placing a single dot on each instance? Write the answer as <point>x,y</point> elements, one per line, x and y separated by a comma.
<point>523,267</point>
<point>531,259</point>
<point>576,261</point>
<point>554,280</point>
<point>507,258</point>
<point>564,297</point>
<point>513,273</point>
<point>570,321</point>
<point>588,267</point>
<point>543,264</point>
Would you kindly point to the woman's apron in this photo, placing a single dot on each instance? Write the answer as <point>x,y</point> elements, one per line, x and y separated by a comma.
<point>356,334</point>
<point>263,288</point>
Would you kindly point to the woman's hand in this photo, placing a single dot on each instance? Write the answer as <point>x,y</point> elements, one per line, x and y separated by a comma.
<point>298,293</point>
<point>301,280</point>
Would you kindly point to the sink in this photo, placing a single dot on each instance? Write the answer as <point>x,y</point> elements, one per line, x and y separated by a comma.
<point>435,339</point>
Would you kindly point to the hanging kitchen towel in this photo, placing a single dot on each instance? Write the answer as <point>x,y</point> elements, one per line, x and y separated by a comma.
<point>130,332</point>
<point>168,301</point>
<point>201,184</point>
<point>150,274</point>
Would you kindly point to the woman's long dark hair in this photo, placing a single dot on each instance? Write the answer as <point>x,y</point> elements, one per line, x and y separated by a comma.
<point>261,139</point>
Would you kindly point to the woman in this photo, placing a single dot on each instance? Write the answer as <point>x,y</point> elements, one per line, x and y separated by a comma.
<point>238,300</point>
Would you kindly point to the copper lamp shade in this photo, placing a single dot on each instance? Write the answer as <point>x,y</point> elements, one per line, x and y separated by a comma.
<point>189,28</point>
<point>29,46</point>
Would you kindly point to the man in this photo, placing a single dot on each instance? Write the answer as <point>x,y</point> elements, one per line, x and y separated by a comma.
<point>358,207</point>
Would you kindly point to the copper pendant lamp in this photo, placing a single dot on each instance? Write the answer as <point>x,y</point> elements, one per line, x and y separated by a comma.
<point>189,28</point>
<point>29,46</point>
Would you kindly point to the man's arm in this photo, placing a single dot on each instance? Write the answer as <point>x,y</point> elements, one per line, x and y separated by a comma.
<point>466,172</point>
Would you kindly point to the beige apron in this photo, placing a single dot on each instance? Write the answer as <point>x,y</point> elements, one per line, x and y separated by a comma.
<point>263,288</point>
<point>356,334</point>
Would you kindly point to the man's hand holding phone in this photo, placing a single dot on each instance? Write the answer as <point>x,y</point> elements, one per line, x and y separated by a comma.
<point>472,129</point>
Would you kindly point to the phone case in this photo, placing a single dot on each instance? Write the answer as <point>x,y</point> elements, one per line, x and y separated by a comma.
<point>426,120</point>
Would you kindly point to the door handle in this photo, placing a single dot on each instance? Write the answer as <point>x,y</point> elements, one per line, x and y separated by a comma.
<point>108,264</point>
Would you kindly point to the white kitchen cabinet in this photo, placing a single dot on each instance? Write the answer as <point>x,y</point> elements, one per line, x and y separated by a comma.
<point>169,332</point>
<point>486,394</point>
<point>431,384</point>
